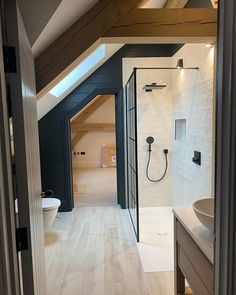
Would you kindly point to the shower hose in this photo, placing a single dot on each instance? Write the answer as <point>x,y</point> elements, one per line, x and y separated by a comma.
<point>148,163</point>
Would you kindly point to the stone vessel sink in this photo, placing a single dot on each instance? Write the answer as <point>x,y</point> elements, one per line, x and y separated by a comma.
<point>204,210</point>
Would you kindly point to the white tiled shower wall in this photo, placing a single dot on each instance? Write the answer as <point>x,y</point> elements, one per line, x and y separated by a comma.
<point>192,94</point>
<point>188,95</point>
<point>154,111</point>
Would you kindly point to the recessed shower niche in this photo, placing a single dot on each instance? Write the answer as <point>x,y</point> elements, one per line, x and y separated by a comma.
<point>180,129</point>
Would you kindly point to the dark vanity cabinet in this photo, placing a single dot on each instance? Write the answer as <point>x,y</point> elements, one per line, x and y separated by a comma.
<point>193,254</point>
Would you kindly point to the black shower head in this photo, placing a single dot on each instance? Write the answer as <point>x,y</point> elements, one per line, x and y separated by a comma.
<point>150,140</point>
<point>150,87</point>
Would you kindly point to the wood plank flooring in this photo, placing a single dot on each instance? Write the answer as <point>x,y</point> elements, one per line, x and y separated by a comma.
<point>92,250</point>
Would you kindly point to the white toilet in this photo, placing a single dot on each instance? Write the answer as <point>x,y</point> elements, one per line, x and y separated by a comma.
<point>50,208</point>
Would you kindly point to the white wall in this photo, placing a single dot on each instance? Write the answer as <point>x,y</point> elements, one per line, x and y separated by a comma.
<point>193,100</point>
<point>92,142</point>
<point>189,95</point>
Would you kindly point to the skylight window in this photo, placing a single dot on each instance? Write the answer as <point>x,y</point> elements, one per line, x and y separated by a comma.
<point>88,64</point>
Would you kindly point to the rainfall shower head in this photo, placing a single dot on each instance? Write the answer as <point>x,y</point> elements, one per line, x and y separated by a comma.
<point>150,87</point>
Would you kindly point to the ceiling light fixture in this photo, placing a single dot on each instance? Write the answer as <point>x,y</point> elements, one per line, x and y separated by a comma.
<point>180,63</point>
<point>209,45</point>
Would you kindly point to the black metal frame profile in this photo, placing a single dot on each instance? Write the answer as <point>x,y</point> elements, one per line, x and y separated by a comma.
<point>167,68</point>
<point>132,154</point>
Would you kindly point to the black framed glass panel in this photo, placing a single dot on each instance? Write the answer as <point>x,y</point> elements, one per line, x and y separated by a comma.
<point>132,174</point>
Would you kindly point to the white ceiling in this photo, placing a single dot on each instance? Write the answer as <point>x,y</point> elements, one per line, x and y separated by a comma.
<point>155,4</point>
<point>65,15</point>
<point>36,15</point>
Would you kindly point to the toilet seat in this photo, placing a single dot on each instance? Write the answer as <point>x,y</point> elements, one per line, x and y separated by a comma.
<point>50,204</point>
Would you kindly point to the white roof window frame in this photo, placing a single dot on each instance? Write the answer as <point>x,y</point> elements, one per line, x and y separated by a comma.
<point>81,70</point>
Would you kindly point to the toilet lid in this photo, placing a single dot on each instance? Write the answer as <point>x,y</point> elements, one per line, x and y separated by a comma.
<point>50,203</point>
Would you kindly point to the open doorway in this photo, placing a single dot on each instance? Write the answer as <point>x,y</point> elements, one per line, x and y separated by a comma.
<point>93,152</point>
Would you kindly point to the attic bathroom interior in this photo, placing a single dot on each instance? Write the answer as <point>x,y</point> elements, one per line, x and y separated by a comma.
<point>168,137</point>
<point>116,147</point>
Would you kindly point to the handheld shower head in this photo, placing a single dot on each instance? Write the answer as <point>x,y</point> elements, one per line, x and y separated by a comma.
<point>149,140</point>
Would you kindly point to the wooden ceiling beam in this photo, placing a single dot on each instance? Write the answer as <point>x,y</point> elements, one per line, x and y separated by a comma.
<point>170,23</point>
<point>104,127</point>
<point>142,3</point>
<point>77,138</point>
<point>87,112</point>
<point>78,38</point>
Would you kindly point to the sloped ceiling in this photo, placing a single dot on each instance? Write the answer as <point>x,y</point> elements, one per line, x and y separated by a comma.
<point>66,14</point>
<point>46,20</point>
<point>154,3</point>
<point>36,15</point>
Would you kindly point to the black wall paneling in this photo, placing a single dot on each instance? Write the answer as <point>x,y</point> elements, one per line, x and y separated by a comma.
<point>54,130</point>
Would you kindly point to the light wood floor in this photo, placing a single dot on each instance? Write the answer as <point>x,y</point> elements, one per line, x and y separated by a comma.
<point>92,251</point>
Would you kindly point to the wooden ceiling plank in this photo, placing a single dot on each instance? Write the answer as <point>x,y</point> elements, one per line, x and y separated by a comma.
<point>90,110</point>
<point>78,38</point>
<point>166,23</point>
<point>104,127</point>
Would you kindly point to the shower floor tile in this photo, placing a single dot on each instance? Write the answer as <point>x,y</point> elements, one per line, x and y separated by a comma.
<point>156,247</point>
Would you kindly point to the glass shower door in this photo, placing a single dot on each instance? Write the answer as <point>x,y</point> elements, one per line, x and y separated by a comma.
<point>132,169</point>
